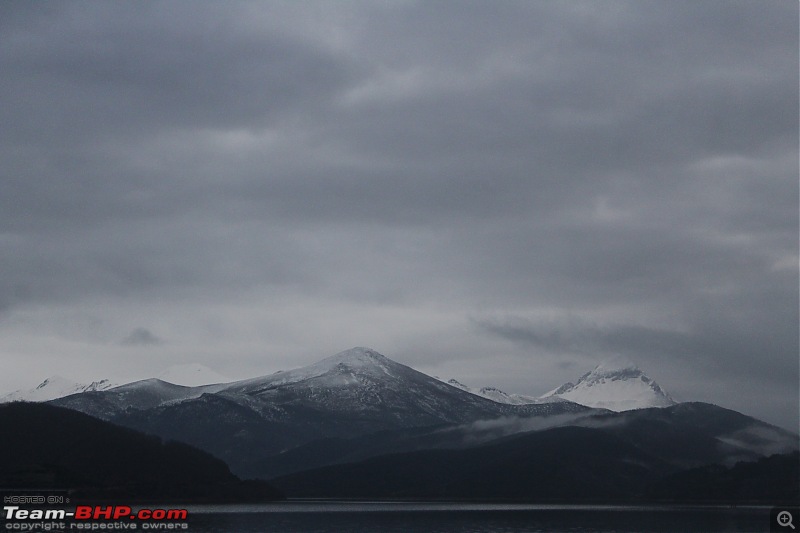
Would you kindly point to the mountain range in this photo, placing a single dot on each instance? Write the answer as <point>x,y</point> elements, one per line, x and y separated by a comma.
<point>617,385</point>
<point>351,394</point>
<point>303,427</point>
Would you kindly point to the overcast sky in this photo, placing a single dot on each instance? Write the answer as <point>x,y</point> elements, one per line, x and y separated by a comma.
<point>506,193</point>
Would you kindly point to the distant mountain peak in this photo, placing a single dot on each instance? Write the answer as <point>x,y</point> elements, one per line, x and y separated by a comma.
<point>617,384</point>
<point>344,369</point>
<point>358,356</point>
<point>358,360</point>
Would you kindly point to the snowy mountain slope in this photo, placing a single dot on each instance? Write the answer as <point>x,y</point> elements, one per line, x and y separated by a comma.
<point>144,394</point>
<point>357,383</point>
<point>363,381</point>
<point>56,387</point>
<point>192,375</point>
<point>618,385</point>
<point>188,375</point>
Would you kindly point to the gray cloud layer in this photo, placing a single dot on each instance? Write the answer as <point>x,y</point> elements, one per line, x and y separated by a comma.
<point>536,183</point>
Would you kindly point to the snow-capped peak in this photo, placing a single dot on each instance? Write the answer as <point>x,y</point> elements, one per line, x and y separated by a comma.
<point>56,387</point>
<point>338,369</point>
<point>618,385</point>
<point>192,375</point>
<point>358,357</point>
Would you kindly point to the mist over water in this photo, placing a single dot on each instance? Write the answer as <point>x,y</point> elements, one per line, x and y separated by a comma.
<point>482,431</point>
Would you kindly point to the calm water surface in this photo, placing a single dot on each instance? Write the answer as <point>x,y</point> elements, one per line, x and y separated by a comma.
<point>407,517</point>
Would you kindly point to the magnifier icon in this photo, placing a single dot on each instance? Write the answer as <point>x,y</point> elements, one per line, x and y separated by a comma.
<point>785,519</point>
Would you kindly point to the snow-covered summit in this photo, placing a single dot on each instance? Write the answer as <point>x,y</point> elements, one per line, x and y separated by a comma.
<point>192,375</point>
<point>56,387</point>
<point>342,369</point>
<point>618,385</point>
<point>356,358</point>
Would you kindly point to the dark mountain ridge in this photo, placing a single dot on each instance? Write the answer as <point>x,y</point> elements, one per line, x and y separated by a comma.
<point>564,465</point>
<point>52,447</point>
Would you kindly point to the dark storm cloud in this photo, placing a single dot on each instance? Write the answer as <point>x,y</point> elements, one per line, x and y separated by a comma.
<point>141,337</point>
<point>632,165</point>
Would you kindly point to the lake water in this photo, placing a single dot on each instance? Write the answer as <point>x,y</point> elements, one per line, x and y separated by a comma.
<point>408,517</point>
